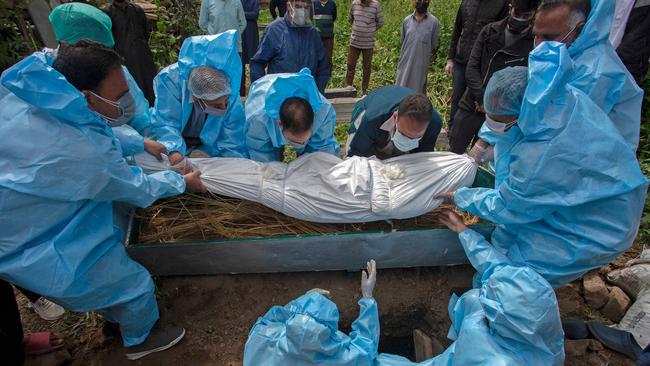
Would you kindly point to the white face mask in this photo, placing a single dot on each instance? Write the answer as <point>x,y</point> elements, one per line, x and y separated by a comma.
<point>125,107</point>
<point>298,16</point>
<point>210,110</point>
<point>403,143</point>
<point>499,127</point>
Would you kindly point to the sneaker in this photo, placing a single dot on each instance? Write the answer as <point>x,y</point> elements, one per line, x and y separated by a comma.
<point>46,309</point>
<point>160,339</point>
<point>349,88</point>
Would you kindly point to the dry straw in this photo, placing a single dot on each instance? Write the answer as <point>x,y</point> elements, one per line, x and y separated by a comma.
<point>192,217</point>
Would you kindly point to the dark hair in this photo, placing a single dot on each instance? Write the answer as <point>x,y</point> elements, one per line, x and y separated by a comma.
<point>416,107</point>
<point>296,115</point>
<point>583,7</point>
<point>525,5</point>
<point>85,64</point>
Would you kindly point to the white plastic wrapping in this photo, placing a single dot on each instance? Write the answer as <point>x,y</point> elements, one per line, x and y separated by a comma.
<point>320,187</point>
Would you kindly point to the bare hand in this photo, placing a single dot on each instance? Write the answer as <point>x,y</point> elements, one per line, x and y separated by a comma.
<point>175,158</point>
<point>179,164</point>
<point>453,221</point>
<point>449,67</point>
<point>479,108</point>
<point>154,148</point>
<point>193,182</point>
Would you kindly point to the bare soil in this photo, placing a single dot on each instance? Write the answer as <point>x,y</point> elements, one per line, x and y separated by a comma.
<point>218,312</point>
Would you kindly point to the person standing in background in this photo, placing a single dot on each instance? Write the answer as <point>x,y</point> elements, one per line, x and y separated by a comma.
<point>250,38</point>
<point>218,16</point>
<point>280,5</point>
<point>472,16</point>
<point>419,39</point>
<point>366,19</point>
<point>324,18</point>
<point>131,36</point>
<point>630,36</point>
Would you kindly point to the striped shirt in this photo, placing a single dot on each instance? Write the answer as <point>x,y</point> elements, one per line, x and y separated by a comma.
<point>366,20</point>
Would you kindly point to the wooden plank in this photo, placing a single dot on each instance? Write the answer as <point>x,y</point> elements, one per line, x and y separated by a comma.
<point>39,11</point>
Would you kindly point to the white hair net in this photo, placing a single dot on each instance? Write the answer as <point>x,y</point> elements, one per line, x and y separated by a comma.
<point>504,93</point>
<point>208,83</point>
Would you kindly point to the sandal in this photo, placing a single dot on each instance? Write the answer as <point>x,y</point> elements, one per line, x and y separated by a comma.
<point>42,342</point>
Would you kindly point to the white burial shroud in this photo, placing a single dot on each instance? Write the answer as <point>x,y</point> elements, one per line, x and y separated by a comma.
<point>320,187</point>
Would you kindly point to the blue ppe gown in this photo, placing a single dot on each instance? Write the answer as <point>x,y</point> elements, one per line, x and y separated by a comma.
<point>511,319</point>
<point>221,136</point>
<point>287,49</point>
<point>305,332</point>
<point>600,73</point>
<point>61,170</point>
<point>131,136</point>
<point>264,136</point>
<point>569,193</point>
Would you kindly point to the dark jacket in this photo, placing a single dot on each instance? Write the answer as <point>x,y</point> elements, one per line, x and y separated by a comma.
<point>634,49</point>
<point>369,139</point>
<point>490,55</point>
<point>280,5</point>
<point>472,16</point>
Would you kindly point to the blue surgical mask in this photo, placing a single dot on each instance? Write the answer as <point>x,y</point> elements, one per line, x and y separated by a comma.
<point>499,127</point>
<point>125,106</point>
<point>403,143</point>
<point>211,110</point>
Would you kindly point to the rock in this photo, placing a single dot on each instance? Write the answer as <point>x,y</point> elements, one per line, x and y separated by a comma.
<point>594,345</point>
<point>595,290</point>
<point>616,305</point>
<point>576,347</point>
<point>598,359</point>
<point>569,300</point>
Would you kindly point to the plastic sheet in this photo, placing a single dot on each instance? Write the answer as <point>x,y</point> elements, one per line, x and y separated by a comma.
<point>320,187</point>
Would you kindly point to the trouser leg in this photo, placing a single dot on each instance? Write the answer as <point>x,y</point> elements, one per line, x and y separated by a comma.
<point>353,56</point>
<point>367,69</point>
<point>458,86</point>
<point>32,297</point>
<point>12,351</point>
<point>465,128</point>
<point>328,43</point>
<point>242,86</point>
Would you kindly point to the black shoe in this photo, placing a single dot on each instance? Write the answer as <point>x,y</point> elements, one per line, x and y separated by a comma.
<point>575,329</point>
<point>615,339</point>
<point>160,339</point>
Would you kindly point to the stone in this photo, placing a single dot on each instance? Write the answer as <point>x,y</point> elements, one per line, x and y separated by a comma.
<point>616,305</point>
<point>595,345</point>
<point>569,300</point>
<point>576,347</point>
<point>595,290</point>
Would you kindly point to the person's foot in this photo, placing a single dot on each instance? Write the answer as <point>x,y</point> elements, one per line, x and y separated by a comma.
<point>46,309</point>
<point>43,342</point>
<point>160,339</point>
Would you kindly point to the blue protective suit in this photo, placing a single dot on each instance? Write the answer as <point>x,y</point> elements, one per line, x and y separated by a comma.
<point>511,319</point>
<point>569,192</point>
<point>61,168</point>
<point>221,136</point>
<point>286,49</point>
<point>131,137</point>
<point>600,73</point>
<point>305,332</point>
<point>264,136</point>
